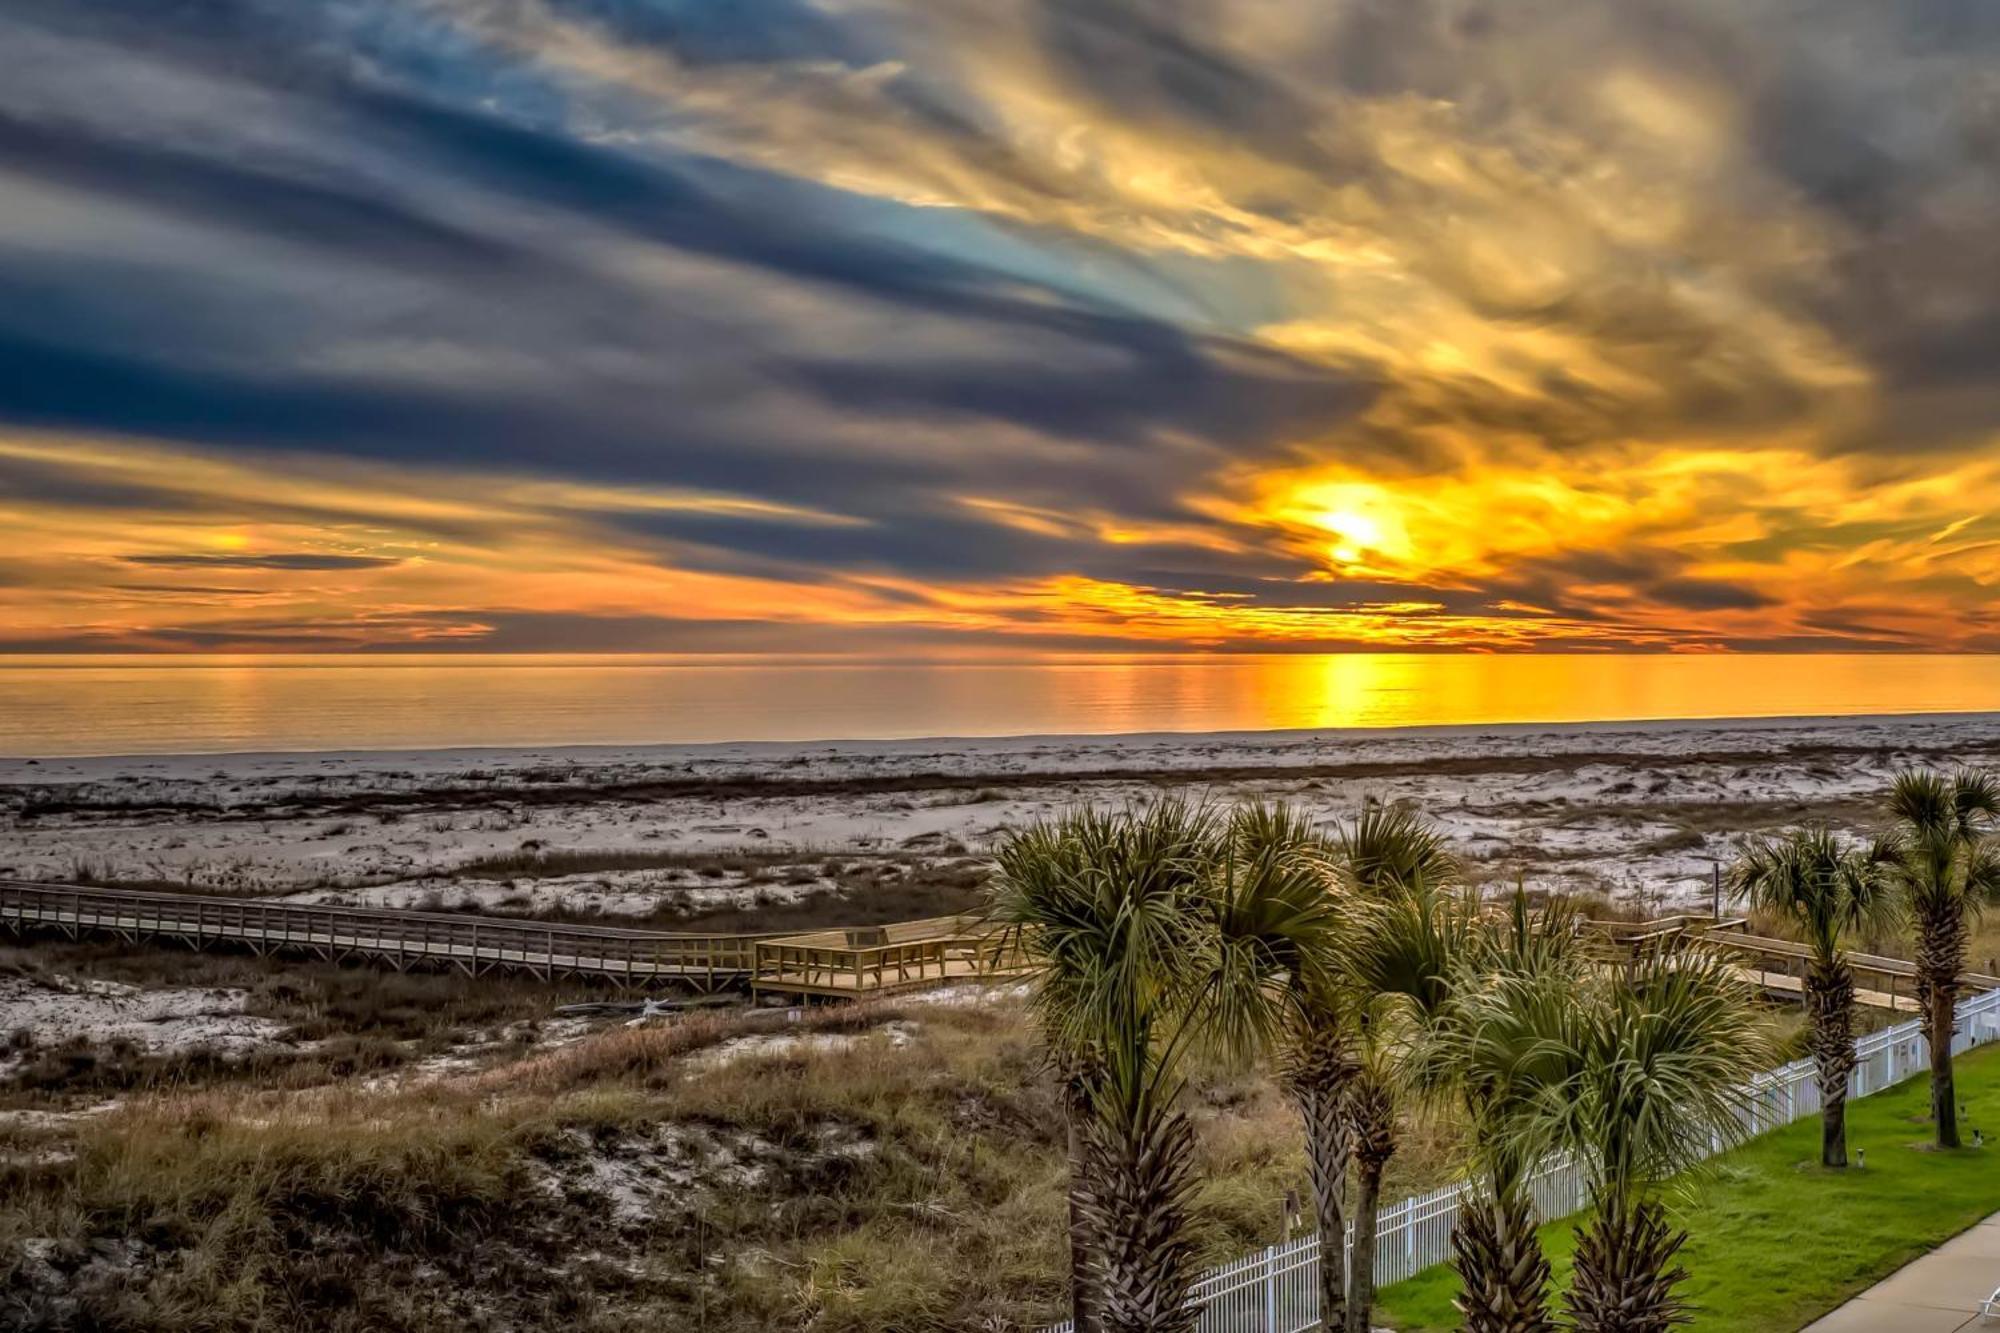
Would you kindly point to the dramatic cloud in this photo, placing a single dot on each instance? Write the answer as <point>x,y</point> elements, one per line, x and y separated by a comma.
<point>978,325</point>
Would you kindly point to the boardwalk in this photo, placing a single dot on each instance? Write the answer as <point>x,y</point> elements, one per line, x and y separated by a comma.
<point>840,963</point>
<point>830,963</point>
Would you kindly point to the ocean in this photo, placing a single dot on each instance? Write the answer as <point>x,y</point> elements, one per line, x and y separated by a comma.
<point>67,706</point>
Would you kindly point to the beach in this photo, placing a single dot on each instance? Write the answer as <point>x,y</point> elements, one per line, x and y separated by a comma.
<point>1639,813</point>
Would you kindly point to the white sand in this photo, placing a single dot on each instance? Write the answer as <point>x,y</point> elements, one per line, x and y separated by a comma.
<point>161,1020</point>
<point>1633,808</point>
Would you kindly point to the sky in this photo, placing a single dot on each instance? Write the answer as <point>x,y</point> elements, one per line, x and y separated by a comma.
<point>976,327</point>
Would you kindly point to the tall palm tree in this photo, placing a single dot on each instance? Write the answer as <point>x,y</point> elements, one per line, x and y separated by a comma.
<point>1399,869</point>
<point>1038,887</point>
<point>1827,891</point>
<point>1108,907</point>
<point>1497,1051</point>
<point>1939,854</point>
<point>1399,970</point>
<point>1657,1067</point>
<point>1277,936</point>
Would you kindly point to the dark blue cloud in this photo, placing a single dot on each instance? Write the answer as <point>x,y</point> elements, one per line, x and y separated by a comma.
<point>229,195</point>
<point>706,33</point>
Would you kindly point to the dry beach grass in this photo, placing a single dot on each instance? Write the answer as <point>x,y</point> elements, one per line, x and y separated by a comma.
<point>890,1164</point>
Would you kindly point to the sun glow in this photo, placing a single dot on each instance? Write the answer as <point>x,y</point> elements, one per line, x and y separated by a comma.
<point>1363,519</point>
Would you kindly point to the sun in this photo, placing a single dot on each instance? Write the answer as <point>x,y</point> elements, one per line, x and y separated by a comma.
<point>1357,534</point>
<point>1364,521</point>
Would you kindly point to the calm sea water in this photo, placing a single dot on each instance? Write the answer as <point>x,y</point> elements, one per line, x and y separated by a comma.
<point>52,706</point>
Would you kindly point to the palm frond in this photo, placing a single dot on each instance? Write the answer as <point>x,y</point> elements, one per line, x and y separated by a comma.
<point>1388,847</point>
<point>1975,799</point>
<point>1509,1049</point>
<point>1982,876</point>
<point>1823,886</point>
<point>1408,947</point>
<point>1939,825</point>
<point>1276,932</point>
<point>1666,1058</point>
<point>1107,908</point>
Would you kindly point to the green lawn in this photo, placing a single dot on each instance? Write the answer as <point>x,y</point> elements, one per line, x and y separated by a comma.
<point>1777,1241</point>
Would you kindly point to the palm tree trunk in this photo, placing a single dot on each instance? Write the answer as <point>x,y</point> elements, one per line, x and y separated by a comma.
<point>1940,958</point>
<point>1830,1010</point>
<point>1372,1126</point>
<point>1318,1072</point>
<point>1141,1176</point>
<point>1622,1283</point>
<point>1326,1164</point>
<point>1083,1300</point>
<point>1944,1086</point>
<point>1503,1274</point>
<point>1077,1076</point>
<point>1361,1284</point>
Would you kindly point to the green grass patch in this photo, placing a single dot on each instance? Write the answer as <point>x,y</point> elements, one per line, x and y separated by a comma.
<point>1777,1240</point>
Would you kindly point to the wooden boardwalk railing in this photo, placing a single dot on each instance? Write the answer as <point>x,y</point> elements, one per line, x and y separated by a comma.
<point>829,963</point>
<point>1778,965</point>
<point>473,944</point>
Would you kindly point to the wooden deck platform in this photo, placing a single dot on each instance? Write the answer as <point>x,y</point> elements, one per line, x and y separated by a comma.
<point>880,960</point>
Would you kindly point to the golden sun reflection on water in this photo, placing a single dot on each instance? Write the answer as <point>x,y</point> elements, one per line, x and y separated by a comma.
<point>108,705</point>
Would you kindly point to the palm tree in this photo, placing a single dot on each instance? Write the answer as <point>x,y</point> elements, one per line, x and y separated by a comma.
<point>1399,867</point>
<point>1399,970</point>
<point>1938,854</point>
<point>1657,1067</point>
<point>1277,937</point>
<point>1826,890</point>
<point>1108,906</point>
<point>1038,888</point>
<point>1496,1051</point>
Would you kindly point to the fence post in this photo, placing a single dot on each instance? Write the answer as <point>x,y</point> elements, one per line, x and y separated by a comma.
<point>1271,1290</point>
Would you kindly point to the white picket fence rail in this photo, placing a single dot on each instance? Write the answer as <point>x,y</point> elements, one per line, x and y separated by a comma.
<point>1276,1289</point>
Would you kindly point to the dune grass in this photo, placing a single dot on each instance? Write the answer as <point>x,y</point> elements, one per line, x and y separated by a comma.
<point>1778,1241</point>
<point>875,1166</point>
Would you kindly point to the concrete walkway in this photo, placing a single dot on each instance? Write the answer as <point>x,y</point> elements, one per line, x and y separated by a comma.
<point>1939,1293</point>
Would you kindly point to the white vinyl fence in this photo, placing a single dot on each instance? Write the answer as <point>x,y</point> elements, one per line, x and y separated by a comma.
<point>1276,1290</point>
